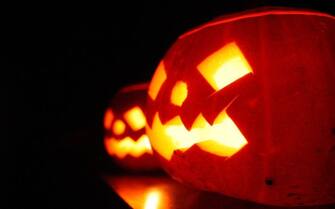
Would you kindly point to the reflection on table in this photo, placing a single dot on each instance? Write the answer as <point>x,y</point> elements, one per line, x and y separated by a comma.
<point>161,192</point>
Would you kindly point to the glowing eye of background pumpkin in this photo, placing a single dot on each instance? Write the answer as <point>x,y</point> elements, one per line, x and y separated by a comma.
<point>109,116</point>
<point>119,127</point>
<point>178,93</point>
<point>224,66</point>
<point>157,81</point>
<point>135,118</point>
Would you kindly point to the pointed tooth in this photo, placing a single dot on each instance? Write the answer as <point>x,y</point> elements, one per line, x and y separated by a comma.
<point>200,122</point>
<point>176,121</point>
<point>161,143</point>
<point>188,116</point>
<point>220,117</point>
<point>177,132</point>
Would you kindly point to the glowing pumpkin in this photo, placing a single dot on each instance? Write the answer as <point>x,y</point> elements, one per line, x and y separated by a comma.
<point>124,122</point>
<point>244,106</point>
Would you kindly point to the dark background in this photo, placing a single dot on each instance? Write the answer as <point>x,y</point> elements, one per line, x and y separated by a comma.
<point>63,68</point>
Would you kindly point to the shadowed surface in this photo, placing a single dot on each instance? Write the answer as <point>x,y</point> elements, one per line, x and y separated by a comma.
<point>161,192</point>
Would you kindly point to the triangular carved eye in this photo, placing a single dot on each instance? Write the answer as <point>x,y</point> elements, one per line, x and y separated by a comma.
<point>157,81</point>
<point>224,66</point>
<point>135,118</point>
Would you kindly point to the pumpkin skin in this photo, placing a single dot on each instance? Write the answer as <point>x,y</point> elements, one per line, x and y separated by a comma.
<point>124,123</point>
<point>280,107</point>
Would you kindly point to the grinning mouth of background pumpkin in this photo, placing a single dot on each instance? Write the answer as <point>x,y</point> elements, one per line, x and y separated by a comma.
<point>223,138</point>
<point>127,146</point>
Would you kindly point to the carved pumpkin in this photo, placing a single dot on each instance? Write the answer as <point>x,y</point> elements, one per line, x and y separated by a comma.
<point>244,106</point>
<point>124,122</point>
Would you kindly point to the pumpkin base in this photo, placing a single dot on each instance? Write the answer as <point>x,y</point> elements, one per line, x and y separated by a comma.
<point>198,169</point>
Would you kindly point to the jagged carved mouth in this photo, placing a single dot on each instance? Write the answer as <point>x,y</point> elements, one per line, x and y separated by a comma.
<point>223,138</point>
<point>127,146</point>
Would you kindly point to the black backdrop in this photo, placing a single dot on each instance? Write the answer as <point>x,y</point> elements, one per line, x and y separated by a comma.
<point>63,69</point>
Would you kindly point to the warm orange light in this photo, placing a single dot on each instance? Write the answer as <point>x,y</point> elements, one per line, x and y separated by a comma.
<point>152,199</point>
<point>119,127</point>
<point>224,66</point>
<point>145,192</point>
<point>229,138</point>
<point>157,81</point>
<point>108,119</point>
<point>135,118</point>
<point>179,93</point>
<point>127,146</point>
<point>223,138</point>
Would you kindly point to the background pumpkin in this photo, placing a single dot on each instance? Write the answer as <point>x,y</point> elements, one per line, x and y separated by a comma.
<point>244,105</point>
<point>124,122</point>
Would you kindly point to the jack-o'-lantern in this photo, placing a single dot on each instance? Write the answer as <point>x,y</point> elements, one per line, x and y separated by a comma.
<point>245,105</point>
<point>124,122</point>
